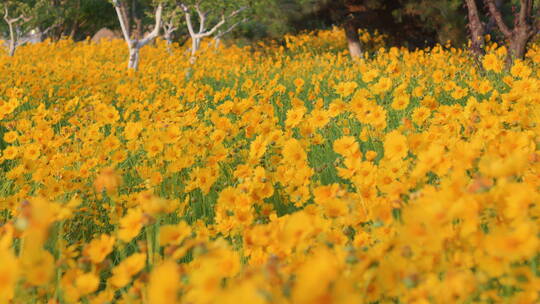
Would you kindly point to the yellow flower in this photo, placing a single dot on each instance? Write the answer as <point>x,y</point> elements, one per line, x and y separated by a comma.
<point>420,115</point>
<point>519,69</point>
<point>154,147</point>
<point>164,284</point>
<point>314,277</point>
<point>10,137</point>
<point>9,270</point>
<point>32,151</point>
<point>38,267</point>
<point>438,76</point>
<point>107,180</point>
<point>294,116</point>
<point>99,248</point>
<point>513,245</point>
<point>395,146</point>
<point>257,149</point>
<point>10,152</point>
<point>202,178</point>
<point>371,155</point>
<point>492,63</point>
<point>105,296</point>
<point>132,130</point>
<point>370,75</point>
<point>346,146</point>
<point>123,272</point>
<point>346,88</point>
<point>400,102</point>
<point>382,86</point>
<point>293,152</point>
<point>130,225</point>
<point>87,283</point>
<point>110,115</point>
<point>173,234</point>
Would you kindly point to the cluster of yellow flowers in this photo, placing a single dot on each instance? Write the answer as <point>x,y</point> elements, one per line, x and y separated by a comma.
<point>265,176</point>
<point>330,41</point>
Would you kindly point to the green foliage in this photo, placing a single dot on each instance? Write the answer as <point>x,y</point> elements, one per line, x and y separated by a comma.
<point>12,9</point>
<point>446,17</point>
<point>412,23</point>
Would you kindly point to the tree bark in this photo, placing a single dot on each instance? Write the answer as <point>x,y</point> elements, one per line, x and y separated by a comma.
<point>491,24</point>
<point>12,40</point>
<point>519,36</point>
<point>476,29</point>
<point>133,62</point>
<point>195,43</point>
<point>353,41</point>
<point>13,35</point>
<point>134,45</point>
<point>518,45</point>
<point>74,29</point>
<point>196,37</point>
<point>168,37</point>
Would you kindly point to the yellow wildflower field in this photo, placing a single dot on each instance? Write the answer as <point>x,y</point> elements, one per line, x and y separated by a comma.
<point>271,174</point>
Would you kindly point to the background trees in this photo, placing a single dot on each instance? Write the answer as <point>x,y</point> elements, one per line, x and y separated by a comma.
<point>498,15</point>
<point>408,23</point>
<point>524,28</point>
<point>19,16</point>
<point>132,30</point>
<point>212,18</point>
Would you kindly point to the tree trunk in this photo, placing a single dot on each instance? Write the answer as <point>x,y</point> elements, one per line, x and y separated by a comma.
<point>518,45</point>
<point>133,57</point>
<point>74,29</point>
<point>353,41</point>
<point>217,42</point>
<point>12,40</point>
<point>195,44</point>
<point>491,24</point>
<point>517,37</point>
<point>12,48</point>
<point>168,38</point>
<point>476,28</point>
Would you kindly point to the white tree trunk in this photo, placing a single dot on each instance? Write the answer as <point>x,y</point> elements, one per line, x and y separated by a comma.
<point>168,38</point>
<point>12,48</point>
<point>195,44</point>
<point>353,41</point>
<point>134,45</point>
<point>12,40</point>
<point>196,37</point>
<point>133,62</point>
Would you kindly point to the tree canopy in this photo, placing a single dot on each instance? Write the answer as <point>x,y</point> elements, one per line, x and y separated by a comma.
<point>410,23</point>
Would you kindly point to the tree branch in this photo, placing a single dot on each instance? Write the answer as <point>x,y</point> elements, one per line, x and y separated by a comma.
<point>6,13</point>
<point>44,32</point>
<point>221,34</point>
<point>188,20</point>
<point>238,11</point>
<point>155,32</point>
<point>120,11</point>
<point>496,14</point>
<point>210,32</point>
<point>168,27</point>
<point>202,18</point>
<point>523,10</point>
